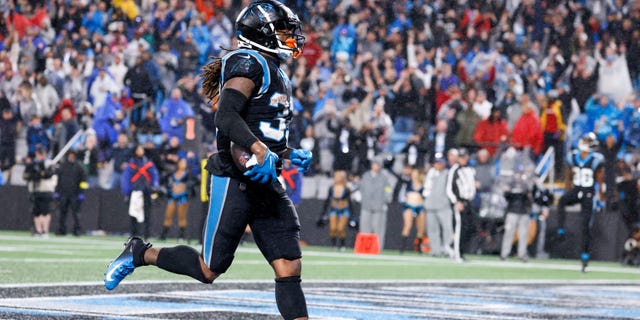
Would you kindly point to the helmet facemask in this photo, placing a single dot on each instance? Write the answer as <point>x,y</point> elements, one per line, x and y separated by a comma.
<point>588,143</point>
<point>294,40</point>
<point>270,27</point>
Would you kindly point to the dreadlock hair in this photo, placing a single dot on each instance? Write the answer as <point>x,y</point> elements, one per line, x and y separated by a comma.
<point>210,74</point>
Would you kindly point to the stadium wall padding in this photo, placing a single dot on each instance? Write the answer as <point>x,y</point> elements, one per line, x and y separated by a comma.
<point>106,210</point>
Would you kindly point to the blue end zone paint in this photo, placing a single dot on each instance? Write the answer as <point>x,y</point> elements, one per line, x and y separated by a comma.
<point>375,301</point>
<point>128,304</point>
<point>34,312</point>
<point>347,307</point>
<point>45,314</point>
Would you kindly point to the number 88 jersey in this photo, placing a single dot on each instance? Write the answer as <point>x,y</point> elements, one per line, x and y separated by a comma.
<point>584,169</point>
<point>269,109</point>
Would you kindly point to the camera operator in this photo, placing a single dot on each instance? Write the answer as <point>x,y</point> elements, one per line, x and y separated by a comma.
<point>41,183</point>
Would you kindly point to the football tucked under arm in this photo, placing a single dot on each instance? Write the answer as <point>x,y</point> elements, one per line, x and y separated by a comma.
<point>242,158</point>
<point>262,171</point>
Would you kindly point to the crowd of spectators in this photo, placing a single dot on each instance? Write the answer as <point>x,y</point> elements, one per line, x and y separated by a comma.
<point>120,72</point>
<point>410,78</point>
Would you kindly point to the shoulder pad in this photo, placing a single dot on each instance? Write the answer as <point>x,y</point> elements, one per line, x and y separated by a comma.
<point>247,64</point>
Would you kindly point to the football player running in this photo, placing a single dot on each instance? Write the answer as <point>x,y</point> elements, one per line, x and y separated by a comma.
<point>254,110</point>
<point>584,163</point>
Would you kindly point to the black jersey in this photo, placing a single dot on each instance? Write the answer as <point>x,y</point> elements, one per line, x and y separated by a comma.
<point>584,169</point>
<point>269,109</point>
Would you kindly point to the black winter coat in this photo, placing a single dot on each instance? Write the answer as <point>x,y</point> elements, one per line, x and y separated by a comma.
<point>70,176</point>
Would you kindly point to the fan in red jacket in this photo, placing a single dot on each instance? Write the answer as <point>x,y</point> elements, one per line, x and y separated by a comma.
<point>527,132</point>
<point>491,131</point>
<point>65,104</point>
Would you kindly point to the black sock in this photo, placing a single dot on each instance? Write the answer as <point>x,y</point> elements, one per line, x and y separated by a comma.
<point>138,254</point>
<point>181,260</point>
<point>342,242</point>
<point>290,298</point>
<point>333,242</point>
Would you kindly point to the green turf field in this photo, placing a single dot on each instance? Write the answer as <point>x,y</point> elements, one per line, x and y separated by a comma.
<point>26,259</point>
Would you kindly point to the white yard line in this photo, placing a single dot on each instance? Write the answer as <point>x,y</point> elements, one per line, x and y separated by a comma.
<point>56,239</point>
<point>56,260</point>
<point>377,282</point>
<point>75,246</point>
<point>244,262</point>
<point>387,262</point>
<point>87,283</point>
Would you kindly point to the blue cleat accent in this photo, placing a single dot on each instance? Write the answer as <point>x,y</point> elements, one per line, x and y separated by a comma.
<point>584,257</point>
<point>123,265</point>
<point>560,235</point>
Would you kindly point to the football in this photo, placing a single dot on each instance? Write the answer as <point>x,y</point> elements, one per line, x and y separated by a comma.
<point>242,158</point>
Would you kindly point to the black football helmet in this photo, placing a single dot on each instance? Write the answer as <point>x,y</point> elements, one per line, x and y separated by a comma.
<point>543,197</point>
<point>262,24</point>
<point>588,142</point>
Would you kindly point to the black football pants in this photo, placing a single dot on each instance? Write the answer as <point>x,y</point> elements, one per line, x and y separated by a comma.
<point>585,198</point>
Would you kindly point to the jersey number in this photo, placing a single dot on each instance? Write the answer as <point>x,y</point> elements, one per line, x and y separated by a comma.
<point>582,177</point>
<point>277,130</point>
<point>276,133</point>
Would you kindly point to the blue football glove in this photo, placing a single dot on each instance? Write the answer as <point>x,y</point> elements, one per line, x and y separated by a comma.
<point>80,196</point>
<point>265,172</point>
<point>301,158</point>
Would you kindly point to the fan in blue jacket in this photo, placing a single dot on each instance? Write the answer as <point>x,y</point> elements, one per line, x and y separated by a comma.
<point>174,113</point>
<point>140,175</point>
<point>602,115</point>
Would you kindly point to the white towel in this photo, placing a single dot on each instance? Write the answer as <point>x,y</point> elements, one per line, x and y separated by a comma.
<point>136,206</point>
